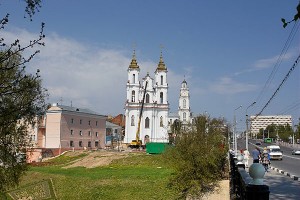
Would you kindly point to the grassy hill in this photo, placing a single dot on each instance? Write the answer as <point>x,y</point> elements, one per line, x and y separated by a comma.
<point>128,176</point>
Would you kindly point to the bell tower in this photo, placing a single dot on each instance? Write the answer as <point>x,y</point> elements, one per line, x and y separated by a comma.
<point>132,99</point>
<point>184,104</point>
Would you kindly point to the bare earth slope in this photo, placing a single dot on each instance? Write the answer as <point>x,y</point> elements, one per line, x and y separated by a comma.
<point>95,159</point>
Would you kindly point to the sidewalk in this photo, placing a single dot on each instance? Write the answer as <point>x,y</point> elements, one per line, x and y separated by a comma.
<point>280,185</point>
<point>221,193</point>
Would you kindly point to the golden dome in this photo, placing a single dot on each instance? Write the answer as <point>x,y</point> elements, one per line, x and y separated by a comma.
<point>161,65</point>
<point>133,64</point>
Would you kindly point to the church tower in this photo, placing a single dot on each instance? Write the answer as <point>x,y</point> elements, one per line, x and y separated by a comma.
<point>154,118</point>
<point>132,100</point>
<point>184,104</point>
<point>133,81</point>
<point>162,104</point>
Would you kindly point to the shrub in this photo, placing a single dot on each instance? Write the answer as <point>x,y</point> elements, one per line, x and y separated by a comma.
<point>198,157</point>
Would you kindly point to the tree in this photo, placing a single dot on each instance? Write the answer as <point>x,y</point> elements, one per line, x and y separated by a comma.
<point>296,17</point>
<point>22,98</point>
<point>198,157</point>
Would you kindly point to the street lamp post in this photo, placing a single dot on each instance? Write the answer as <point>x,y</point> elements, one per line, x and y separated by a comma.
<point>247,121</point>
<point>234,131</point>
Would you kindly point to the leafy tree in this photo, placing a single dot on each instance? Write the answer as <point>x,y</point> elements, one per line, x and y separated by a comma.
<point>198,157</point>
<point>285,132</point>
<point>296,17</point>
<point>271,131</point>
<point>297,132</point>
<point>22,98</point>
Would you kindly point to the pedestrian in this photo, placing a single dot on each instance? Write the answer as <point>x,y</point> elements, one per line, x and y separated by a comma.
<point>246,157</point>
<point>265,159</point>
<point>256,155</point>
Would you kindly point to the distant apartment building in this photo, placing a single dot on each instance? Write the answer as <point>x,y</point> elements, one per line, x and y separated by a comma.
<point>258,122</point>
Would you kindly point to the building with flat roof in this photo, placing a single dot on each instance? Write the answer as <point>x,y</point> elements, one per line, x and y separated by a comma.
<point>259,122</point>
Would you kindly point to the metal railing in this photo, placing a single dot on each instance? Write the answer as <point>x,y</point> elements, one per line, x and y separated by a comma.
<point>241,186</point>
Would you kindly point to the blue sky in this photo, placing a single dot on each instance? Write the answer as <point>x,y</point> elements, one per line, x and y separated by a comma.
<point>226,51</point>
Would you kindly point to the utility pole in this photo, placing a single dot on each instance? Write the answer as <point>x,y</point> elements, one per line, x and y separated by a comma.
<point>247,121</point>
<point>234,131</point>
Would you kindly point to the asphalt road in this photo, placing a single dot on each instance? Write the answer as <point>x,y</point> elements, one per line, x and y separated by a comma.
<point>290,163</point>
<point>281,186</point>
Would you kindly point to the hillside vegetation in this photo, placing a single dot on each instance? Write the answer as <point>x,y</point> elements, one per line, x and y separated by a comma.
<point>123,176</point>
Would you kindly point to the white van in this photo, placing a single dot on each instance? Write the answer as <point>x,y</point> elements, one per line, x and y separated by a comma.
<point>275,152</point>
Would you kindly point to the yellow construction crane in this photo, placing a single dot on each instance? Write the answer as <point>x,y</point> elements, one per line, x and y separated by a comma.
<point>137,143</point>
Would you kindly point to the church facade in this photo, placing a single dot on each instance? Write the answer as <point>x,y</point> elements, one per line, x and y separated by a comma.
<point>152,95</point>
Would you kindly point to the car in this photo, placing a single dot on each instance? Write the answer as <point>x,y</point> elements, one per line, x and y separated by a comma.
<point>258,143</point>
<point>296,152</point>
<point>275,152</point>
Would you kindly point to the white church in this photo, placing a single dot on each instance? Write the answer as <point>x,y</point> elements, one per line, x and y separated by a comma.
<point>156,119</point>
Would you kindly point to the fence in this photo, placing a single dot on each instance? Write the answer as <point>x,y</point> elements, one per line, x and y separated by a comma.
<point>242,185</point>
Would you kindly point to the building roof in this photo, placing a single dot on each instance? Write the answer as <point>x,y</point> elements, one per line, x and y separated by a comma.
<point>173,115</point>
<point>112,125</point>
<point>161,65</point>
<point>133,64</point>
<point>72,109</point>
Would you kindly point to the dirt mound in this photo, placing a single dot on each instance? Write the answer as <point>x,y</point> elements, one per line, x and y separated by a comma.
<point>96,159</point>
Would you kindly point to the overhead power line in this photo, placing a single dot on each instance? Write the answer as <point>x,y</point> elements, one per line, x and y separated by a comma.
<point>282,82</point>
<point>279,60</point>
<point>291,107</point>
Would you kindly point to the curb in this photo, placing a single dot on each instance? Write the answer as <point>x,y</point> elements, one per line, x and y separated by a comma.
<point>295,178</point>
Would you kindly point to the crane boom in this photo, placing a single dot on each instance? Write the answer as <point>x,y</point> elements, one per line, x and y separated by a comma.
<point>137,135</point>
<point>137,143</point>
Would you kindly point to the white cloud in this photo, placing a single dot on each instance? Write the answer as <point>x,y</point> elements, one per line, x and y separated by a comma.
<point>227,85</point>
<point>270,62</point>
<point>87,76</point>
<point>266,63</point>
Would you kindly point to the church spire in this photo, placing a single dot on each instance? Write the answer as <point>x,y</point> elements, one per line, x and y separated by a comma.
<point>161,65</point>
<point>133,64</point>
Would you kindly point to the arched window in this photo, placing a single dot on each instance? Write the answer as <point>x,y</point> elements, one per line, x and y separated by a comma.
<point>147,98</point>
<point>133,96</point>
<point>161,80</point>
<point>184,103</point>
<point>147,122</point>
<point>161,96</point>
<point>133,78</point>
<point>132,120</point>
<point>184,116</point>
<point>161,124</point>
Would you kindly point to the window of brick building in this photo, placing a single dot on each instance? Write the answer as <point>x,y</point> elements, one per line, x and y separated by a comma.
<point>80,143</point>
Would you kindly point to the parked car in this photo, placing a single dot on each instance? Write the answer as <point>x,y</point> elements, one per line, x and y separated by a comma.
<point>296,152</point>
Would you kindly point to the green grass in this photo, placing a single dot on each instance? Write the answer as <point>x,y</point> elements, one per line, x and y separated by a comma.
<point>135,177</point>
<point>65,159</point>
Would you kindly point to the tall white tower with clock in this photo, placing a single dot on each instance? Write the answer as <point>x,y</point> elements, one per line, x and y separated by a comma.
<point>184,104</point>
